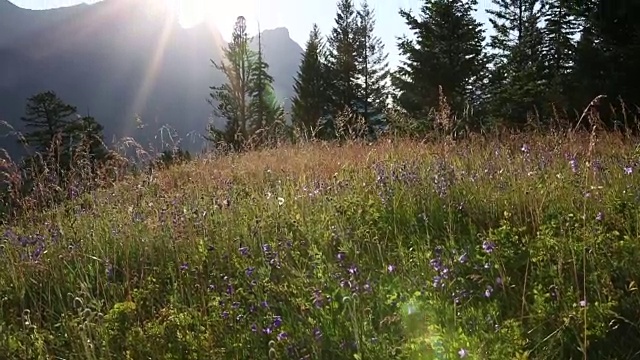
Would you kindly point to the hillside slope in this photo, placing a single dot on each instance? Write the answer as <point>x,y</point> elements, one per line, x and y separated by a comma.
<point>117,60</point>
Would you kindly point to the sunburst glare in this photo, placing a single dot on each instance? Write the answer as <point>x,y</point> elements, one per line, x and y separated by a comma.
<point>193,12</point>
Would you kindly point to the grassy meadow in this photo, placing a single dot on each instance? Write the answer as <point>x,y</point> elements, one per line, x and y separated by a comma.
<point>484,248</point>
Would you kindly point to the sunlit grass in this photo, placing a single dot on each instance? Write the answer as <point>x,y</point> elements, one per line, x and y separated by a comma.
<point>482,248</point>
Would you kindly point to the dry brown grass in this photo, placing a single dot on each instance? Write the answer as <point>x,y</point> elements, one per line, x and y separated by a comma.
<point>313,160</point>
<point>321,161</point>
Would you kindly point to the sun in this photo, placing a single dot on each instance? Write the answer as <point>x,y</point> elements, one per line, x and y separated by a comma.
<point>190,12</point>
<point>193,12</point>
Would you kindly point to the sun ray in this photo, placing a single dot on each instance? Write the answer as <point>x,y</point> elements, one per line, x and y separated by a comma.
<point>223,14</point>
<point>149,78</point>
<point>217,16</point>
<point>192,12</point>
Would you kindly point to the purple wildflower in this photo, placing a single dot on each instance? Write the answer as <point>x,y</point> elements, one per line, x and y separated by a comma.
<point>249,271</point>
<point>317,333</point>
<point>275,262</point>
<point>596,166</point>
<point>437,281</point>
<point>488,246</point>
<point>277,321</point>
<point>488,291</point>
<point>436,264</point>
<point>317,299</point>
<point>353,270</point>
<point>574,165</point>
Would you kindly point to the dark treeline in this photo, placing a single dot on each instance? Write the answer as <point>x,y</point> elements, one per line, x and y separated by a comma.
<point>67,156</point>
<point>544,63</point>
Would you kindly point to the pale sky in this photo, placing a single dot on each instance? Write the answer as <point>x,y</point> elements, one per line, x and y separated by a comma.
<point>296,15</point>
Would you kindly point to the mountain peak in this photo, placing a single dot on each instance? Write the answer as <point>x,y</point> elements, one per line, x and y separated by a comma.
<point>277,32</point>
<point>7,5</point>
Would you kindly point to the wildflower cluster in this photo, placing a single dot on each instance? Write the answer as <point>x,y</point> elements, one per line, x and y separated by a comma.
<point>517,249</point>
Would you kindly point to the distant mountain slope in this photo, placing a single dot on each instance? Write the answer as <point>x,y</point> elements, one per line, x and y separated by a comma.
<point>277,44</point>
<point>116,60</point>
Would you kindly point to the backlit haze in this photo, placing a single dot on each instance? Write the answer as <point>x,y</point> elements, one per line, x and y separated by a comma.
<point>296,16</point>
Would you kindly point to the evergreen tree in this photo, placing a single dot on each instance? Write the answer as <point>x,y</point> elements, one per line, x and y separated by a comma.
<point>259,81</point>
<point>342,60</point>
<point>231,100</point>
<point>310,102</point>
<point>61,137</point>
<point>608,58</point>
<point>588,75</point>
<point>373,68</point>
<point>264,108</point>
<point>559,50</point>
<point>517,86</point>
<point>275,130</point>
<point>86,135</point>
<point>447,52</point>
<point>48,118</point>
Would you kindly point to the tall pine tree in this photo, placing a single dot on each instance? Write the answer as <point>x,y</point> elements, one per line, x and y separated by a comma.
<point>559,51</point>
<point>608,58</point>
<point>447,52</point>
<point>48,118</point>
<point>342,60</point>
<point>265,111</point>
<point>231,100</point>
<point>372,69</point>
<point>589,72</point>
<point>517,86</point>
<point>311,97</point>
<point>60,136</point>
